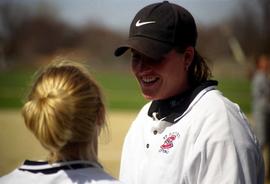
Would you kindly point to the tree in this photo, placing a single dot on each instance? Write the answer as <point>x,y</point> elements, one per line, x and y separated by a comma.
<point>251,27</point>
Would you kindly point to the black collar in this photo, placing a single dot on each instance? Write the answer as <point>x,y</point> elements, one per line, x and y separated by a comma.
<point>46,168</point>
<point>173,107</point>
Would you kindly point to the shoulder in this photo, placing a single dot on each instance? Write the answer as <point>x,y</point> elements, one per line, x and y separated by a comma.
<point>214,102</point>
<point>144,109</point>
<point>216,106</point>
<point>85,175</point>
<point>259,78</point>
<point>223,120</point>
<point>143,113</point>
<point>11,177</point>
<point>92,175</point>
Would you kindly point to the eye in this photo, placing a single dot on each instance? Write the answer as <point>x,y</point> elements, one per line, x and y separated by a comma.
<point>154,62</point>
<point>136,56</point>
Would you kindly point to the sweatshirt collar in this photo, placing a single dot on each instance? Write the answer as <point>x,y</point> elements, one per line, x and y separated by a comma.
<point>45,168</point>
<point>171,108</point>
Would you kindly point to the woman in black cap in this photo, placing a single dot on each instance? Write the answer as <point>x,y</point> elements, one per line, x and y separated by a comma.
<point>188,132</point>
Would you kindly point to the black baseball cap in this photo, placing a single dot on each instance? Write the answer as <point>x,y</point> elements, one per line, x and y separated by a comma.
<point>158,28</point>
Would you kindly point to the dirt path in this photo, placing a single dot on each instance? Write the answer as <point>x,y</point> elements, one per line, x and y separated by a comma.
<point>18,144</point>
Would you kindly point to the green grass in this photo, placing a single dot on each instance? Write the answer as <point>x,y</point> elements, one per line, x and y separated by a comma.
<point>13,87</point>
<point>237,90</point>
<point>121,90</point>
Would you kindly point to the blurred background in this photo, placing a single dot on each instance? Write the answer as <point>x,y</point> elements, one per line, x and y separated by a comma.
<point>33,32</point>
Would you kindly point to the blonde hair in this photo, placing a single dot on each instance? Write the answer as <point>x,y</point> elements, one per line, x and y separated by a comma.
<point>65,111</point>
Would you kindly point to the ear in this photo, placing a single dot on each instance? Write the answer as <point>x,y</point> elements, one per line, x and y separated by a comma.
<point>188,56</point>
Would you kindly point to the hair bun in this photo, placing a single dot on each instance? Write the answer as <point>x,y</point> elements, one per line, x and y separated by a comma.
<point>65,108</point>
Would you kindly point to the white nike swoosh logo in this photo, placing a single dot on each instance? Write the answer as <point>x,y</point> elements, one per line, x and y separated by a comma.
<point>138,23</point>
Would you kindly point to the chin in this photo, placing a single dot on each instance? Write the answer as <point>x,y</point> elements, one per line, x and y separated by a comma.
<point>148,97</point>
<point>151,97</point>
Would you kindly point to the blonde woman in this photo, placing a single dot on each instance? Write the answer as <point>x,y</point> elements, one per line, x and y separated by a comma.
<point>65,112</point>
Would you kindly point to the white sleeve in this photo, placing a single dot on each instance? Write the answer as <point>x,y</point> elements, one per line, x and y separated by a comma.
<point>225,150</point>
<point>224,163</point>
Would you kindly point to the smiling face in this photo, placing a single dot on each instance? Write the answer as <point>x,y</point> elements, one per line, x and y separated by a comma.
<point>164,78</point>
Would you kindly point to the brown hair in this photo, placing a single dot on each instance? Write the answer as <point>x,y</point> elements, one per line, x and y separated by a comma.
<point>198,71</point>
<point>65,111</point>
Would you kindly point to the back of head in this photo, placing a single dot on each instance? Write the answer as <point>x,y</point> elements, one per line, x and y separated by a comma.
<point>65,111</point>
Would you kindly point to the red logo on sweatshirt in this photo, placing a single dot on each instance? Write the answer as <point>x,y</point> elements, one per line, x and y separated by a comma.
<point>168,143</point>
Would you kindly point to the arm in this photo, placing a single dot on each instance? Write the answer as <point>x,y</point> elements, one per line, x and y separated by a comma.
<point>224,162</point>
<point>225,150</point>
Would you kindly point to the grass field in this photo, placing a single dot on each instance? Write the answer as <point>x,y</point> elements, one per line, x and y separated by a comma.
<point>18,144</point>
<point>120,89</point>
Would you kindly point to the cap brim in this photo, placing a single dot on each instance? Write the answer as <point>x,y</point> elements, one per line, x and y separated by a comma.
<point>151,48</point>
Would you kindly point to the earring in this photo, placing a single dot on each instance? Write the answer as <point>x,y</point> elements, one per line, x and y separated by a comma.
<point>186,68</point>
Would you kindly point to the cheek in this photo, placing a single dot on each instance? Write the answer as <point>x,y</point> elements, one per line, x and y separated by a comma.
<point>134,73</point>
<point>176,77</point>
<point>133,68</point>
<point>176,73</point>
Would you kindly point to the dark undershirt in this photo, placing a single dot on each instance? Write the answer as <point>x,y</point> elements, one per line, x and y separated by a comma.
<point>175,106</point>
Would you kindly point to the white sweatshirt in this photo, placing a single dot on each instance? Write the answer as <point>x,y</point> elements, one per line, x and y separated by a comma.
<point>211,142</point>
<point>69,172</point>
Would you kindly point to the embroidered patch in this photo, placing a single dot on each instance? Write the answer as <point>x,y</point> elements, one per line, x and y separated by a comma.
<point>168,142</point>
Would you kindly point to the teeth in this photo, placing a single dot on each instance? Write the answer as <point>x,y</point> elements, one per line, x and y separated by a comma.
<point>149,79</point>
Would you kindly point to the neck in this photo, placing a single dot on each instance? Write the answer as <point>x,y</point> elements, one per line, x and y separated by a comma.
<point>75,151</point>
